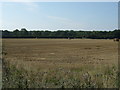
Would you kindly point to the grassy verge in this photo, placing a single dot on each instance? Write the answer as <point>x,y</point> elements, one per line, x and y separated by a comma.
<point>14,77</point>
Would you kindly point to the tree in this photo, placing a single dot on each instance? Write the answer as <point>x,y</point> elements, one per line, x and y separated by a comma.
<point>6,34</point>
<point>116,33</point>
<point>16,33</point>
<point>24,33</point>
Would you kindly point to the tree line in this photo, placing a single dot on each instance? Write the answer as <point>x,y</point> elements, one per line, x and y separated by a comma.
<point>23,33</point>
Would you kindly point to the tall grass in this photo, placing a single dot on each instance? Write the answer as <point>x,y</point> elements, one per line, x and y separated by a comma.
<point>14,77</point>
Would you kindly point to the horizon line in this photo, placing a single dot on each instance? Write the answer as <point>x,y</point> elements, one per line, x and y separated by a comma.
<point>57,29</point>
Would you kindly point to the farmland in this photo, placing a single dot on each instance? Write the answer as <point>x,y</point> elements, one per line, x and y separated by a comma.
<point>60,63</point>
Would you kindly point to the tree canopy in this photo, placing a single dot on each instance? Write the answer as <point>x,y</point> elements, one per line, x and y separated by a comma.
<point>24,33</point>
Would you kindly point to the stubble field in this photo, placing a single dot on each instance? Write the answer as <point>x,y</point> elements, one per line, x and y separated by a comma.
<point>60,63</point>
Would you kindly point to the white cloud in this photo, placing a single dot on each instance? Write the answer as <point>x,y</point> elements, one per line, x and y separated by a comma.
<point>65,22</point>
<point>31,6</point>
<point>58,18</point>
<point>16,0</point>
<point>59,0</point>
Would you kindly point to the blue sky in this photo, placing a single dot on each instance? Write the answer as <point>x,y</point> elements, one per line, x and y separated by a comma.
<point>60,15</point>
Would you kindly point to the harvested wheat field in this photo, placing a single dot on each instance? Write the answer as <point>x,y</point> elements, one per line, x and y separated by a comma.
<point>60,63</point>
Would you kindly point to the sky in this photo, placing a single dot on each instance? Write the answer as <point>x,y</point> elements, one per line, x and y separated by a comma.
<point>59,15</point>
